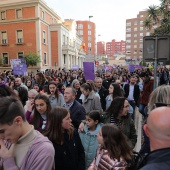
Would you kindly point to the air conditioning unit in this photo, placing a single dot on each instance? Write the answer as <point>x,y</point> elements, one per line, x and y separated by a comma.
<point>19,40</point>
<point>4,41</point>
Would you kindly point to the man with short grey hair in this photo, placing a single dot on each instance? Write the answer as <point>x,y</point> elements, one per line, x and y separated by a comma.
<point>77,111</point>
<point>18,84</point>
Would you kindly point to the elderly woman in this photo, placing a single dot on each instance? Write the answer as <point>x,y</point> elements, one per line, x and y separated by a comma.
<point>117,114</point>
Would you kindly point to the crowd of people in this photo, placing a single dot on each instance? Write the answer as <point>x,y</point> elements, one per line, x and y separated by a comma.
<point>57,119</point>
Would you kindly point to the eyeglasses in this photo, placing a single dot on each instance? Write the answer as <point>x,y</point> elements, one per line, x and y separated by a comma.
<point>31,98</point>
<point>161,104</point>
<point>44,124</point>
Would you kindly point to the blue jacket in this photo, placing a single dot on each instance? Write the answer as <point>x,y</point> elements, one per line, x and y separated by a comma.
<point>90,143</point>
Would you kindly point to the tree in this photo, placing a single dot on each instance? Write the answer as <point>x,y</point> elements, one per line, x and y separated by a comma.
<point>1,60</point>
<point>159,16</point>
<point>32,59</point>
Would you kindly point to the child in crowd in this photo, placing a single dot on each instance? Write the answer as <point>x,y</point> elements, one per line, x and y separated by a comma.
<point>89,135</point>
<point>113,151</point>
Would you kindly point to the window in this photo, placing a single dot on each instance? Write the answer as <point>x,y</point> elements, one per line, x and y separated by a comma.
<point>89,26</point>
<point>80,32</point>
<point>128,41</point>
<point>135,29</point>
<point>3,15</point>
<point>5,58</point>
<point>44,37</point>
<point>128,24</point>
<point>141,22</point>
<point>19,13</point>
<point>128,35</point>
<point>4,37</point>
<point>64,59</point>
<point>20,55</point>
<point>64,40</point>
<point>141,40</point>
<point>89,44</point>
<point>42,15</point>
<point>128,29</point>
<point>128,46</point>
<point>135,23</point>
<point>141,46</point>
<point>148,33</point>
<point>135,46</point>
<point>19,36</point>
<point>135,35</point>
<point>80,26</point>
<point>141,16</point>
<point>89,38</point>
<point>141,34</point>
<point>45,58</point>
<point>141,28</point>
<point>89,32</point>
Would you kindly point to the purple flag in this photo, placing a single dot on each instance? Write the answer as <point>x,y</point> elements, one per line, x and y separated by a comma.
<point>88,70</point>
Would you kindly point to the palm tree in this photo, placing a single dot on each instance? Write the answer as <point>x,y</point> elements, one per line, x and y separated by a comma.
<point>160,16</point>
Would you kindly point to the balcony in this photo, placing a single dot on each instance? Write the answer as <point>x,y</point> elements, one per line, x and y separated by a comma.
<point>68,48</point>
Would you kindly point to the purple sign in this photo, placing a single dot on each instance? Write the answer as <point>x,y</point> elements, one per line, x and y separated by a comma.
<point>132,68</point>
<point>76,67</point>
<point>19,67</point>
<point>88,70</point>
<point>108,67</point>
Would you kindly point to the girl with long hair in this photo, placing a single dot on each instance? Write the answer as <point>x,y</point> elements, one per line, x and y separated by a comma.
<point>69,152</point>
<point>113,152</point>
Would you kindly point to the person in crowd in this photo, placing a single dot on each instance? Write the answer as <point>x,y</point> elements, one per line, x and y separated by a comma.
<point>69,152</point>
<point>6,91</point>
<point>61,87</point>
<point>114,91</point>
<point>103,92</point>
<point>36,87</point>
<point>28,83</point>
<point>89,136</point>
<point>138,82</point>
<point>41,80</point>
<point>91,100</point>
<point>18,83</point>
<point>58,80</point>
<point>118,114</point>
<point>56,98</point>
<point>77,111</point>
<point>76,85</point>
<point>31,96</point>
<point>147,90</point>
<point>109,80</point>
<point>23,95</point>
<point>113,152</point>
<point>157,129</point>
<point>37,112</point>
<point>118,81</point>
<point>22,147</point>
<point>132,93</point>
<point>159,97</point>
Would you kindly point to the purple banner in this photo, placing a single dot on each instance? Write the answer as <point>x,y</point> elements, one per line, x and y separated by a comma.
<point>108,68</point>
<point>88,70</point>
<point>132,68</point>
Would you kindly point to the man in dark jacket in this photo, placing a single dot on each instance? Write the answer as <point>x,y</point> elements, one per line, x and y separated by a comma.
<point>109,79</point>
<point>132,93</point>
<point>158,131</point>
<point>103,92</point>
<point>77,111</point>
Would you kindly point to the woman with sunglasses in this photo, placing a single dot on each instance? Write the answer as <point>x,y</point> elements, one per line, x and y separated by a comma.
<point>38,117</point>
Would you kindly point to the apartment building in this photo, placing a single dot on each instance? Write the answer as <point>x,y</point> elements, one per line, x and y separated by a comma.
<point>115,48</point>
<point>101,48</point>
<point>87,32</point>
<point>31,26</point>
<point>134,35</point>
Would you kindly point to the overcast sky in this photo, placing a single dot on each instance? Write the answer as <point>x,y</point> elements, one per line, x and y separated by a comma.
<point>108,15</point>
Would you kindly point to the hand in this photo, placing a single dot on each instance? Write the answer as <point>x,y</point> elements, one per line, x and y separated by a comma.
<point>81,127</point>
<point>30,106</point>
<point>4,152</point>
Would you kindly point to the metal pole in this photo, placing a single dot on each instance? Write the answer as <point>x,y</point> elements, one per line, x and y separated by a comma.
<point>155,62</point>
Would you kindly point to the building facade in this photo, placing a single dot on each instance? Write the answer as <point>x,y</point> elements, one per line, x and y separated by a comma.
<point>87,31</point>
<point>115,48</point>
<point>31,26</point>
<point>134,35</point>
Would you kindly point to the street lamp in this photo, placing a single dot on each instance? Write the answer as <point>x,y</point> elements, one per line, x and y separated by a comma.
<point>90,17</point>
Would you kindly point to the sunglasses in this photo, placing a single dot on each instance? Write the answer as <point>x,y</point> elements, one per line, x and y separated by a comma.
<point>161,104</point>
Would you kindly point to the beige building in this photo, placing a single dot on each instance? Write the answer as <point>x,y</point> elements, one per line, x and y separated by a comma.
<point>31,26</point>
<point>134,35</point>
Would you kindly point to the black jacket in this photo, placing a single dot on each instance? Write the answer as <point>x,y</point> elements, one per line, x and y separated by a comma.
<point>136,93</point>
<point>103,93</point>
<point>156,160</point>
<point>77,113</point>
<point>70,155</point>
<point>106,83</point>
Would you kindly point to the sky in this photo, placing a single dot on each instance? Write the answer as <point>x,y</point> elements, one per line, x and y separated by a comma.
<point>108,15</point>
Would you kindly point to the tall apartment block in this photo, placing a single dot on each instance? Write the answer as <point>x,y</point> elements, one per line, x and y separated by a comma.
<point>115,48</point>
<point>101,48</point>
<point>87,32</point>
<point>31,26</point>
<point>134,35</point>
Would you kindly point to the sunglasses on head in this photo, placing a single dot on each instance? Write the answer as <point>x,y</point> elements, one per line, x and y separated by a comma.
<point>161,104</point>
